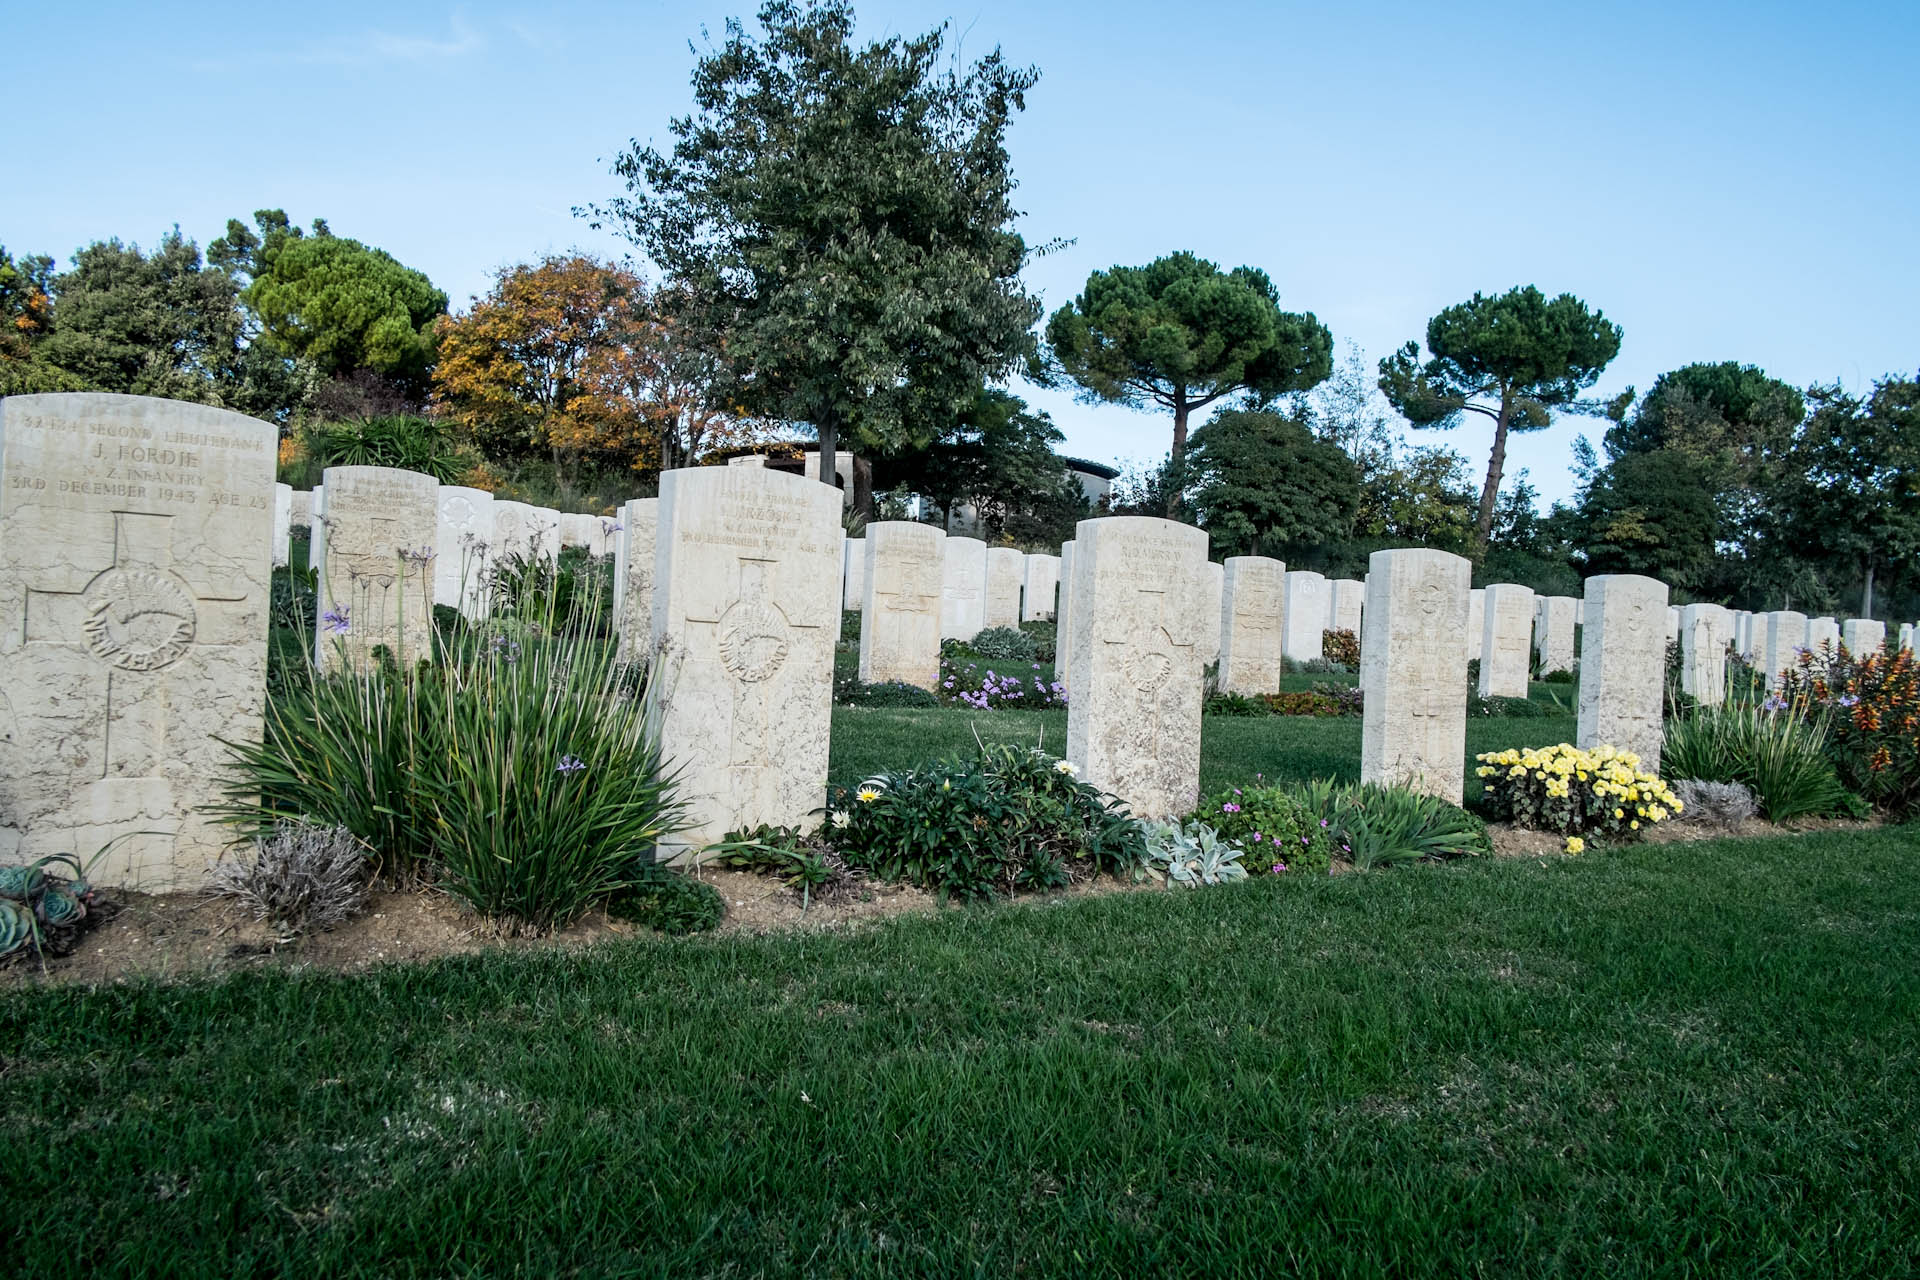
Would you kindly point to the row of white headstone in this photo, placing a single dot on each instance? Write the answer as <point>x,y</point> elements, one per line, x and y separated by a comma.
<point>136,549</point>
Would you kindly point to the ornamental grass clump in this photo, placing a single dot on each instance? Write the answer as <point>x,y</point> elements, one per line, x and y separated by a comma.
<point>1602,793</point>
<point>521,771</point>
<point>1775,746</point>
<point>998,821</point>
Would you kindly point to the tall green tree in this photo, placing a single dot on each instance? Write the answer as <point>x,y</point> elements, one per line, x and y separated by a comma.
<point>1180,333</point>
<point>1512,359</point>
<point>999,458</point>
<point>339,304</point>
<point>837,220</point>
<point>1263,485</point>
<point>1651,513</point>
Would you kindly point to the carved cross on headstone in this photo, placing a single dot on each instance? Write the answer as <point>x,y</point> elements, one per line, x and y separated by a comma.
<point>137,618</point>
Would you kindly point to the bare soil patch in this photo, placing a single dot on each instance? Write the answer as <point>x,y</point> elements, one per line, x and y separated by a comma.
<point>1517,842</point>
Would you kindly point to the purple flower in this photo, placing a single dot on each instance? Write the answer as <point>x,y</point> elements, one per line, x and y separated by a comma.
<point>570,764</point>
<point>1229,807</point>
<point>1256,837</point>
<point>1849,700</point>
<point>1304,840</point>
<point>336,619</point>
<point>1279,868</point>
<point>1774,702</point>
<point>1323,822</point>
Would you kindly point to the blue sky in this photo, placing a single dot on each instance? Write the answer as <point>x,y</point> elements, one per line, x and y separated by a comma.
<point>1727,181</point>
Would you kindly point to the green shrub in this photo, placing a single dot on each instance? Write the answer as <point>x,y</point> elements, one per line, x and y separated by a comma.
<point>1276,830</point>
<point>1046,639</point>
<point>1341,647</point>
<point>1236,704</point>
<point>521,771</point>
<point>1190,855</point>
<point>1004,644</point>
<point>848,691</point>
<point>1772,747</point>
<point>1000,820</point>
<point>850,627</point>
<point>1509,708</point>
<point>394,440</point>
<point>1559,675</point>
<point>669,902</point>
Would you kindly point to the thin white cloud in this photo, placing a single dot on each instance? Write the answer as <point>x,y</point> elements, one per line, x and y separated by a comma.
<point>379,47</point>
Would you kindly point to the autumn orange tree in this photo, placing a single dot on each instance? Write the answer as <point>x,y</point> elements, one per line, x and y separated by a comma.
<point>550,361</point>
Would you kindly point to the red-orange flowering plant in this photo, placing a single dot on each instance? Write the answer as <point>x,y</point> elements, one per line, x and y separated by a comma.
<point>1871,704</point>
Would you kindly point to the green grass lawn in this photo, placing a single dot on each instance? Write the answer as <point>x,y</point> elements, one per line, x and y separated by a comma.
<point>1653,1062</point>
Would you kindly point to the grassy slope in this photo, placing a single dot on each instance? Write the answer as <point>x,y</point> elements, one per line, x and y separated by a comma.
<point>1654,1061</point>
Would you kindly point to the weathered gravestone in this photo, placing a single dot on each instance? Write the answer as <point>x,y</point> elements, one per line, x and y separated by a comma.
<point>514,525</point>
<point>1037,589</point>
<point>1213,589</point>
<point>1305,607</point>
<point>464,543</point>
<point>963,591</point>
<point>543,534</point>
<point>1476,624</point>
<point>373,554</point>
<point>1553,618</point>
<point>1672,631</point>
<point>900,623</point>
<point>135,561</point>
<point>577,530</point>
<point>1346,601</point>
<point>1413,678</point>
<point>1506,641</point>
<point>1005,567</point>
<point>301,514</point>
<point>1139,614</point>
<point>1252,621</point>
<point>1906,635</point>
<point>1705,632</point>
<point>1063,620</point>
<point>1863,636</point>
<point>1786,638</point>
<point>745,616</point>
<point>633,556</point>
<point>854,574</point>
<point>282,523</point>
<point>1623,665</point>
<point>1823,632</point>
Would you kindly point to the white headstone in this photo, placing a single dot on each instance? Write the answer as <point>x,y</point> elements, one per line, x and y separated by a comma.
<point>282,523</point>
<point>301,513</point>
<point>1823,632</point>
<point>1346,598</point>
<point>633,561</point>
<point>543,534</point>
<point>1786,637</point>
<point>1414,709</point>
<point>1906,635</point>
<point>1213,592</point>
<point>900,618</point>
<point>1063,620</point>
<point>577,530</point>
<point>1306,615</point>
<point>1506,641</point>
<point>1672,623</point>
<point>1476,624</point>
<point>1553,618</point>
<point>1038,589</point>
<point>854,574</point>
<point>963,592</point>
<point>1133,725</point>
<point>1624,666</point>
<point>465,541</point>
<point>1005,567</point>
<point>135,568</point>
<point>1863,636</point>
<point>373,555</point>
<point>1253,620</point>
<point>746,613</point>
<point>1705,632</point>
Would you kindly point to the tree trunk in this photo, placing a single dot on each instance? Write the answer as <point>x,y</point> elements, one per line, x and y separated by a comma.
<point>863,487</point>
<point>1866,594</point>
<point>1177,464</point>
<point>829,430</point>
<point>1490,495</point>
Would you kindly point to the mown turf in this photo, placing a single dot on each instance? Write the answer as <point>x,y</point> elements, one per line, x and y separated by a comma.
<point>1663,1061</point>
<point>1233,749</point>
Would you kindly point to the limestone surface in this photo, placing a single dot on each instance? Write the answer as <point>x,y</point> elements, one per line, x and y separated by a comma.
<point>301,516</point>
<point>1346,600</point>
<point>1823,632</point>
<point>373,556</point>
<point>577,530</point>
<point>1906,635</point>
<point>1706,631</point>
<point>963,591</point>
<point>1252,622</point>
<point>1414,713</point>
<point>854,574</point>
<point>1306,615</point>
<point>1863,636</point>
<point>1213,590</point>
<point>900,618</point>
<point>1139,617</point>
<point>465,540</point>
<point>1005,568</point>
<point>1623,665</point>
<point>1506,640</point>
<point>1553,620</point>
<point>1476,624</point>
<point>1063,619</point>
<point>746,611</point>
<point>135,560</point>
<point>1038,588</point>
<point>282,523</point>
<point>633,557</point>
<point>1786,637</point>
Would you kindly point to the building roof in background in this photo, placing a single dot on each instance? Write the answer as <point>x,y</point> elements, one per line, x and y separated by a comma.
<point>1100,469</point>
